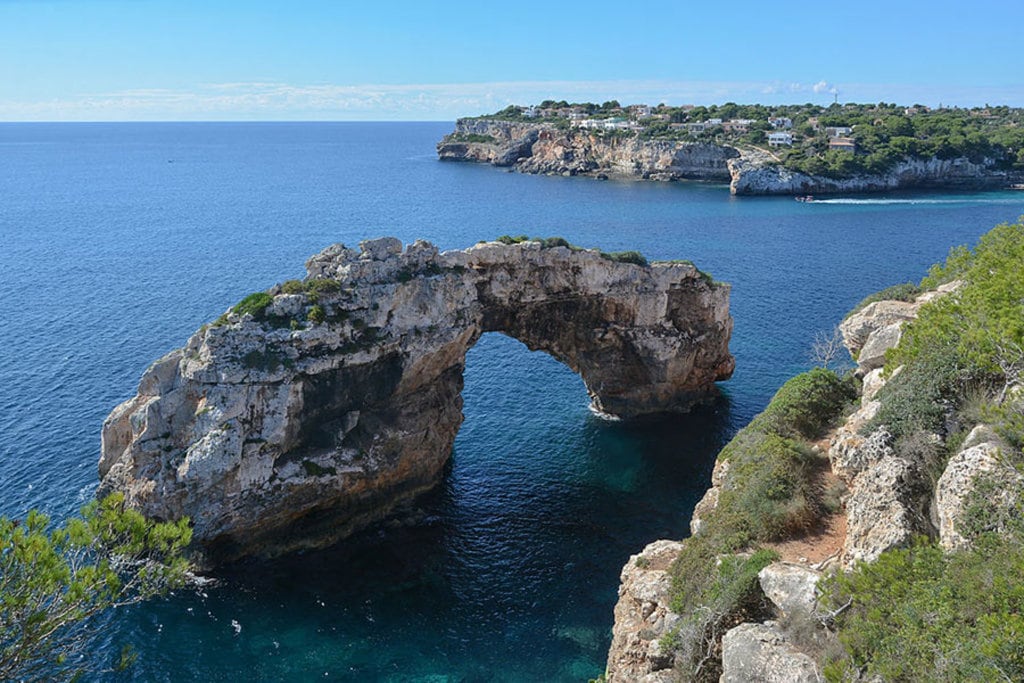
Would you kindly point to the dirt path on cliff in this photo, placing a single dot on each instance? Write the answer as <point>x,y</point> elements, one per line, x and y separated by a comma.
<point>825,541</point>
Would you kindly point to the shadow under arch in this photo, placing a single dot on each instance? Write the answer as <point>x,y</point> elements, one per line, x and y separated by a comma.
<point>513,561</point>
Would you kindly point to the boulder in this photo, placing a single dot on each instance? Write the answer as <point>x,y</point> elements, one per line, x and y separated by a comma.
<point>792,588</point>
<point>884,510</point>
<point>760,653</point>
<point>872,354</point>
<point>979,465</point>
<point>857,328</point>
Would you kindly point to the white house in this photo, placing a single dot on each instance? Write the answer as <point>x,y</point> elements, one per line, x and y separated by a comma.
<point>696,128</point>
<point>837,131</point>
<point>777,139</point>
<point>714,122</point>
<point>640,111</point>
<point>780,122</point>
<point>530,112</point>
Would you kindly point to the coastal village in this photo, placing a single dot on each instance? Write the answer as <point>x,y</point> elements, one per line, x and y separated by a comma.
<point>836,141</point>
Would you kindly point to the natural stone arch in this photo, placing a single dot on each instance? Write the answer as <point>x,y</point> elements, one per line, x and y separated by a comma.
<point>324,405</point>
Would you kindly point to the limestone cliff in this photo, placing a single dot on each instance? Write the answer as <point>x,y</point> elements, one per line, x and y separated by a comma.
<point>757,173</point>
<point>542,148</point>
<point>312,410</point>
<point>892,493</point>
<point>548,149</point>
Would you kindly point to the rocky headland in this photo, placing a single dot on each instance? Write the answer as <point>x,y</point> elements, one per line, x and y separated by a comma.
<point>313,409</point>
<point>912,463</point>
<point>543,148</point>
<point>546,149</point>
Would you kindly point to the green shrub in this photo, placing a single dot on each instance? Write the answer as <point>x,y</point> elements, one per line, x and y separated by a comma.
<point>255,305</point>
<point>293,287</point>
<point>634,257</point>
<point>508,239</point>
<point>55,582</point>
<point>806,405</point>
<point>316,314</point>
<point>322,286</point>
<point>984,317</point>
<point>552,242</point>
<point>473,137</point>
<point>918,614</point>
<point>713,590</point>
<point>771,492</point>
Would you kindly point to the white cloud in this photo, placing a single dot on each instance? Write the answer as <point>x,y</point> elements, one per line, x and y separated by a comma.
<point>446,101</point>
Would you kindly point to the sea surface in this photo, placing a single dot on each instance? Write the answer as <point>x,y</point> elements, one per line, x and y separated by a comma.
<point>118,240</point>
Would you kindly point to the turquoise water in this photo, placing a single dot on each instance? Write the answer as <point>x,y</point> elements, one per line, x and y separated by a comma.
<point>118,240</point>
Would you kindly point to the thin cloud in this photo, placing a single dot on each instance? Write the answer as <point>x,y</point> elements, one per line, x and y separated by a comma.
<point>265,100</point>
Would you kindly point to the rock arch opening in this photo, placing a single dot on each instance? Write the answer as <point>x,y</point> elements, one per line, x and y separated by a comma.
<point>293,423</point>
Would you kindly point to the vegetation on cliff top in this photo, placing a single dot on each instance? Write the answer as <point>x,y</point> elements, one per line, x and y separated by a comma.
<point>54,582</point>
<point>883,134</point>
<point>771,492</point>
<point>918,613</point>
<point>965,350</point>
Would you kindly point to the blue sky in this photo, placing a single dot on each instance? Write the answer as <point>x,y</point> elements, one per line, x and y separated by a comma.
<point>317,60</point>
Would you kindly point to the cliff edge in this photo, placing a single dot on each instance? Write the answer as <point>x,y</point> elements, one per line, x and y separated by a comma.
<point>865,527</point>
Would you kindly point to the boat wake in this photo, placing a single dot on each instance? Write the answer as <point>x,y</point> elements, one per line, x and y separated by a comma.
<point>987,200</point>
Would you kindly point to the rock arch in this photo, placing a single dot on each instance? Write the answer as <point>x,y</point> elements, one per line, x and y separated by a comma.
<point>318,409</point>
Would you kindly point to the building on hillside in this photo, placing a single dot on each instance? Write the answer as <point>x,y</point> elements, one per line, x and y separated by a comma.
<point>714,122</point>
<point>640,111</point>
<point>530,112</point>
<point>737,125</point>
<point>780,122</point>
<point>843,145</point>
<point>779,138</point>
<point>696,128</point>
<point>837,131</point>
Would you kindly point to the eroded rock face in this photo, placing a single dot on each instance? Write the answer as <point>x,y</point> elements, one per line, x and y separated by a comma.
<point>643,615</point>
<point>886,508</point>
<point>976,466</point>
<point>758,173</point>
<point>342,400</point>
<point>542,148</point>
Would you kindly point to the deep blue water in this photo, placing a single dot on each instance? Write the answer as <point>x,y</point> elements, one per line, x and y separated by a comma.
<point>118,240</point>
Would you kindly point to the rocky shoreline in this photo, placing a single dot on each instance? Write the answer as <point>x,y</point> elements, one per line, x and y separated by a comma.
<point>540,148</point>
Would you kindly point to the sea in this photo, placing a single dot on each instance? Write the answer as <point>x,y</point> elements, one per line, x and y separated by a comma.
<point>118,240</point>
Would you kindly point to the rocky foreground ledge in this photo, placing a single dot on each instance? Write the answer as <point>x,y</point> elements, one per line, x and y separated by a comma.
<point>316,408</point>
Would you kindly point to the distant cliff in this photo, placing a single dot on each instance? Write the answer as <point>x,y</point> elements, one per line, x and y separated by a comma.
<point>546,148</point>
<point>755,173</point>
